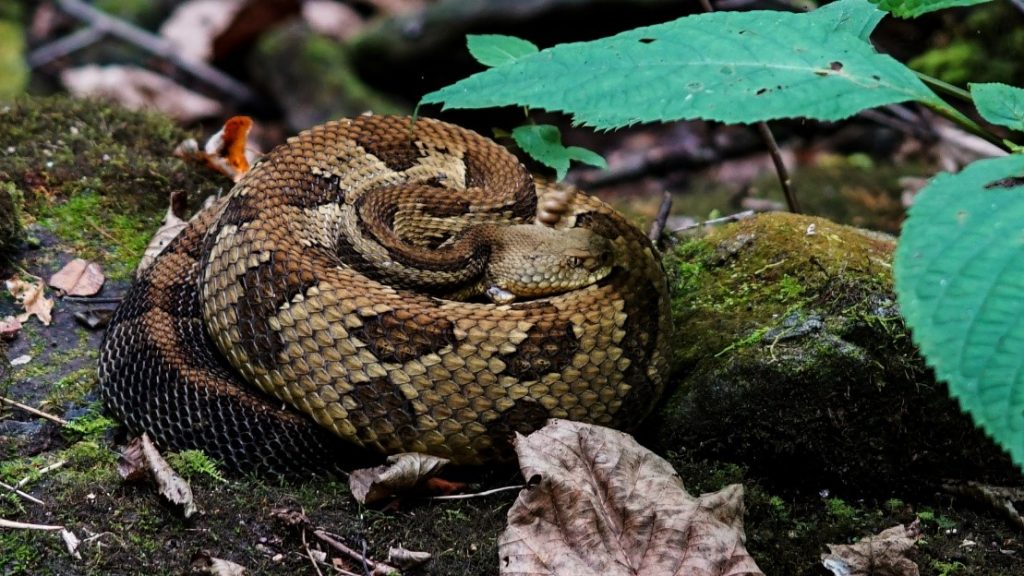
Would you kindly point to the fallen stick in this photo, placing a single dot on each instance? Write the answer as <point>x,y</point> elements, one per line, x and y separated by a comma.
<point>5,523</point>
<point>55,419</point>
<point>25,495</point>
<point>377,568</point>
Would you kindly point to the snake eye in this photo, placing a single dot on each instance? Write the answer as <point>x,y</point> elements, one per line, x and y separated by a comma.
<point>575,261</point>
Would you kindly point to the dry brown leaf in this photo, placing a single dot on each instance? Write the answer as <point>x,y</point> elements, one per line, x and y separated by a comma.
<point>228,151</point>
<point>9,326</point>
<point>193,25</point>
<point>402,474</point>
<point>140,459</point>
<point>79,278</point>
<point>204,563</point>
<point>884,554</point>
<point>170,229</point>
<point>332,19</point>
<point>598,503</point>
<point>406,559</point>
<point>137,89</point>
<point>71,542</point>
<point>32,298</point>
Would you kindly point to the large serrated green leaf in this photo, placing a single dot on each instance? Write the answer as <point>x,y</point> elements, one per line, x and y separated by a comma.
<point>1000,104</point>
<point>915,8</point>
<point>858,18</point>
<point>959,272</point>
<point>736,67</point>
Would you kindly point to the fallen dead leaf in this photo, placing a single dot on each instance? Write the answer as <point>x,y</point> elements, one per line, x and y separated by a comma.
<point>204,563</point>
<point>884,554</point>
<point>402,474</point>
<point>170,229</point>
<point>140,459</point>
<point>406,559</point>
<point>9,326</point>
<point>32,297</point>
<point>137,89</point>
<point>79,278</point>
<point>71,542</point>
<point>193,25</point>
<point>598,503</point>
<point>227,151</point>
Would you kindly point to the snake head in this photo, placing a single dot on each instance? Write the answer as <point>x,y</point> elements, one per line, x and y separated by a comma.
<point>533,261</point>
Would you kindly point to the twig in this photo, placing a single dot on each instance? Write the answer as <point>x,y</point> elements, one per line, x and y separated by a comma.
<point>102,23</point>
<point>309,554</point>
<point>35,411</point>
<point>773,149</point>
<point>93,299</point>
<point>40,472</point>
<point>479,494</point>
<point>662,218</point>
<point>723,220</point>
<point>376,567</point>
<point>5,523</point>
<point>780,167</point>
<point>105,234</point>
<point>67,45</point>
<point>26,496</point>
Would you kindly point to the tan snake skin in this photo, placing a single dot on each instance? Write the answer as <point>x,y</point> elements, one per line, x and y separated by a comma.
<point>320,295</point>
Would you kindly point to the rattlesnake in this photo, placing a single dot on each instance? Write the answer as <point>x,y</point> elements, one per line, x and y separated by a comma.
<point>363,279</point>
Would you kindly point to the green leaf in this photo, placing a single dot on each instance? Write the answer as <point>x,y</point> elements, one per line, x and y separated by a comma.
<point>915,8</point>
<point>959,273</point>
<point>498,49</point>
<point>544,143</point>
<point>1000,104</point>
<point>736,67</point>
<point>853,17</point>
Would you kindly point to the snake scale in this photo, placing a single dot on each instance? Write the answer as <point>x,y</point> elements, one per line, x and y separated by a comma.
<point>383,282</point>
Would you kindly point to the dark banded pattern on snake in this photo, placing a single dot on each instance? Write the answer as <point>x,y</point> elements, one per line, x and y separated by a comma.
<point>335,296</point>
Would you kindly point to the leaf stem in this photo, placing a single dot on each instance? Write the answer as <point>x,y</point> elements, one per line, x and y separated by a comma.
<point>945,88</point>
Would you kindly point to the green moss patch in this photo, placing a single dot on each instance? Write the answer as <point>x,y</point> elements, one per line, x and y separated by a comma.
<point>96,176</point>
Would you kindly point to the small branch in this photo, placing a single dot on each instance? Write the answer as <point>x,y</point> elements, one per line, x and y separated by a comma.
<point>780,167</point>
<point>64,46</point>
<point>309,554</point>
<point>378,568</point>
<point>55,419</point>
<point>479,494</point>
<point>26,496</point>
<point>662,218</point>
<point>102,24</point>
<point>723,220</point>
<point>43,470</point>
<point>5,523</point>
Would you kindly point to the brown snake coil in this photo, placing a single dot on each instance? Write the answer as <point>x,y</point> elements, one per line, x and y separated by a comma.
<point>385,280</point>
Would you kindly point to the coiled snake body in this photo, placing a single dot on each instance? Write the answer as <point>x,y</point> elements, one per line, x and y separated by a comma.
<point>383,282</point>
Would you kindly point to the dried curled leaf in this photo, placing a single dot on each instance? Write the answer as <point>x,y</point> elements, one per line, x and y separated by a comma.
<point>406,559</point>
<point>78,278</point>
<point>32,298</point>
<point>9,327</point>
<point>884,554</point>
<point>139,89</point>
<point>402,474</point>
<point>140,459</point>
<point>204,563</point>
<point>227,151</point>
<point>600,504</point>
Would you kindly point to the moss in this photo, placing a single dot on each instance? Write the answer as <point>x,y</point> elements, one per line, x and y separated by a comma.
<point>10,222</point>
<point>97,174</point>
<point>193,463</point>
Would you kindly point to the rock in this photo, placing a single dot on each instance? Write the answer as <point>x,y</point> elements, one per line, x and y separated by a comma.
<point>310,77</point>
<point>793,360</point>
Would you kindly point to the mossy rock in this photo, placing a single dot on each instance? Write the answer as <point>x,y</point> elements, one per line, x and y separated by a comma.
<point>792,359</point>
<point>95,175</point>
<point>10,224</point>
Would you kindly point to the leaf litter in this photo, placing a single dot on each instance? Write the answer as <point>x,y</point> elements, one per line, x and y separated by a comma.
<point>598,503</point>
